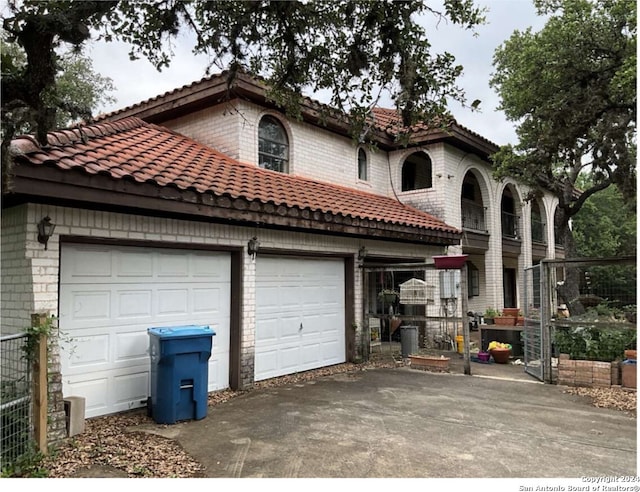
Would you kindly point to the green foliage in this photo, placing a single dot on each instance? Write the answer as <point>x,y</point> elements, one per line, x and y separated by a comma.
<point>491,313</point>
<point>353,50</point>
<point>78,89</point>
<point>571,88</point>
<point>48,328</point>
<point>27,466</point>
<point>595,343</point>
<point>604,336</point>
<point>606,224</point>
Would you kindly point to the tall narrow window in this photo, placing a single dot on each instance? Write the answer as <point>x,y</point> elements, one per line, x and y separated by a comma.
<point>473,280</point>
<point>362,165</point>
<point>273,145</point>
<point>416,172</point>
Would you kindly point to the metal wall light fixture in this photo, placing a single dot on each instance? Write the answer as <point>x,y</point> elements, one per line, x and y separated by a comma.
<point>45,230</point>
<point>252,247</point>
<point>362,254</point>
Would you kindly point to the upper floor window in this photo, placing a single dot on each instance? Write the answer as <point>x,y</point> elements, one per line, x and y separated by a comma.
<point>362,165</point>
<point>273,145</point>
<point>416,172</point>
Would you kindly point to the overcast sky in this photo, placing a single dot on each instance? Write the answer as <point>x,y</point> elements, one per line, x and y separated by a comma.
<point>137,81</point>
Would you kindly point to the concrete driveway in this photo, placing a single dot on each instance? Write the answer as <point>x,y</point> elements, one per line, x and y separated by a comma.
<point>409,423</point>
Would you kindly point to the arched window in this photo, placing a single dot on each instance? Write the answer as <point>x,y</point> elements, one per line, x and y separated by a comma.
<point>273,145</point>
<point>362,165</point>
<point>416,172</point>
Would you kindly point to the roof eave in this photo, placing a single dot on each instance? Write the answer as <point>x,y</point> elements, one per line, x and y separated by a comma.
<point>56,186</point>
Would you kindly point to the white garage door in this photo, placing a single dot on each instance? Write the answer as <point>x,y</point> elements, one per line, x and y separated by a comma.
<point>299,315</point>
<point>110,296</point>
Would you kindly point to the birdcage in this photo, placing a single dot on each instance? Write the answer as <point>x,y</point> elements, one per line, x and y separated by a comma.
<point>416,291</point>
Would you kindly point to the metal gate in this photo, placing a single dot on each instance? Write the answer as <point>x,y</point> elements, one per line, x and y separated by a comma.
<point>15,400</point>
<point>533,332</point>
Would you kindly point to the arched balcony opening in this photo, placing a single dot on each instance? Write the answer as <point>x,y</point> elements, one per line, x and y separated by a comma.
<point>538,223</point>
<point>510,218</point>
<point>472,207</point>
<point>417,172</point>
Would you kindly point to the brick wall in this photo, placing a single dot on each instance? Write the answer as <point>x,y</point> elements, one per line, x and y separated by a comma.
<point>30,273</point>
<point>587,373</point>
<point>17,294</point>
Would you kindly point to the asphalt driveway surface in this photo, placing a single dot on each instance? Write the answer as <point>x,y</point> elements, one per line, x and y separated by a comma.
<point>409,423</point>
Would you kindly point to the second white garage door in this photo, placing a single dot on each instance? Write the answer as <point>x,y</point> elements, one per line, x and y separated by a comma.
<point>300,313</point>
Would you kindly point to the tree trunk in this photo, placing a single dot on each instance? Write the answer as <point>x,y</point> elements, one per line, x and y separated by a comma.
<point>569,290</point>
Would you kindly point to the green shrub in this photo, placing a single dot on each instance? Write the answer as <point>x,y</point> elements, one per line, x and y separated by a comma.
<point>594,343</point>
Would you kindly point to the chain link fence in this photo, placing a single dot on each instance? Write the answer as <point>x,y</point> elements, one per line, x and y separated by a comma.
<point>15,400</point>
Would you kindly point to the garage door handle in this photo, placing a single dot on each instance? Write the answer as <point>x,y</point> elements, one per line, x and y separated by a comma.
<point>300,327</point>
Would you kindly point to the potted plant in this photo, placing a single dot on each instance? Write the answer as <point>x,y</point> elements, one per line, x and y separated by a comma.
<point>500,352</point>
<point>505,319</point>
<point>489,316</point>
<point>449,262</point>
<point>389,296</point>
<point>510,312</point>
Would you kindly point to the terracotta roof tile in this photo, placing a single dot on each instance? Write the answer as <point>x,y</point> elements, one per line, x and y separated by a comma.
<point>133,149</point>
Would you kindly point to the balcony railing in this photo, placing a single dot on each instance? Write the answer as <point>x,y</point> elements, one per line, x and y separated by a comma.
<point>473,216</point>
<point>537,231</point>
<point>510,225</point>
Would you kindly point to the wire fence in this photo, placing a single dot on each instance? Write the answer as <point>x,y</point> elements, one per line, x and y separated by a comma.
<point>592,313</point>
<point>15,400</point>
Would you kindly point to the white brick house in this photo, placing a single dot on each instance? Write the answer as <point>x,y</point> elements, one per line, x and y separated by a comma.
<point>153,229</point>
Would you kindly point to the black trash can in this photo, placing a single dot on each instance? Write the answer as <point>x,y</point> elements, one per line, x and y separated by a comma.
<point>179,372</point>
<point>408,340</point>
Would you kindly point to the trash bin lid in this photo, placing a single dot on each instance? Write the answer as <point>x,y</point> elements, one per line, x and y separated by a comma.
<point>181,331</point>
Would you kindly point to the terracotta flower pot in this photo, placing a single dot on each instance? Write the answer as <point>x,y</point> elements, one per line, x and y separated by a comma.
<point>500,356</point>
<point>505,320</point>
<point>510,312</point>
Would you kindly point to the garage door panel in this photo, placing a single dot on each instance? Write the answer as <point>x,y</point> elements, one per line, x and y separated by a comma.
<point>218,370</point>
<point>129,389</point>
<point>134,304</point>
<point>91,350</point>
<point>267,330</point>
<point>93,263</point>
<point>134,264</point>
<point>289,358</point>
<point>310,354</point>
<point>267,360</point>
<point>268,300</point>
<point>141,289</point>
<point>173,301</point>
<point>172,265</point>
<point>294,292</point>
<point>131,346</point>
<point>90,306</point>
<point>211,267</point>
<point>95,392</point>
<point>212,301</point>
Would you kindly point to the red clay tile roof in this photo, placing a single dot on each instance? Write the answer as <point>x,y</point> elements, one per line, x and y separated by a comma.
<point>387,121</point>
<point>133,149</point>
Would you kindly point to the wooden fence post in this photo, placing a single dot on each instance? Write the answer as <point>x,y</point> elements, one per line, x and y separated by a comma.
<point>40,386</point>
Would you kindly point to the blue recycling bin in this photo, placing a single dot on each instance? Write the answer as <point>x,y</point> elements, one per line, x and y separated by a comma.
<point>179,372</point>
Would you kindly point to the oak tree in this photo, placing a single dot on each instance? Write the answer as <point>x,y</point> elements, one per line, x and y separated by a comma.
<point>571,89</point>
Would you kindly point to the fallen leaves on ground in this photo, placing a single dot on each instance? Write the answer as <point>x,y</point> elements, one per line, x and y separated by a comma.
<point>616,398</point>
<point>109,441</point>
<point>106,442</point>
